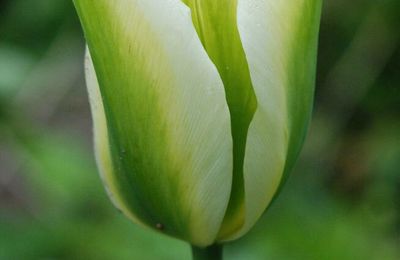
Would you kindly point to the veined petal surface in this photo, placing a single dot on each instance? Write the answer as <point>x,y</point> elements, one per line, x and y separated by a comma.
<point>216,24</point>
<point>168,124</point>
<point>280,42</point>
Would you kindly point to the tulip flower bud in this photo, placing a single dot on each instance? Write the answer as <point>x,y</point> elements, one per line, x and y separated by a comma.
<point>200,107</point>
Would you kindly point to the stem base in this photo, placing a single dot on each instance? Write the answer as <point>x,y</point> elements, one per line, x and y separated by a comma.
<point>213,252</point>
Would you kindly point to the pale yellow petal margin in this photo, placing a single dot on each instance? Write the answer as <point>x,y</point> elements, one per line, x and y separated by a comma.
<point>151,47</point>
<point>269,31</point>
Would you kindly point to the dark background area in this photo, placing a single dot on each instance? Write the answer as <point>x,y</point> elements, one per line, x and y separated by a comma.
<point>342,200</point>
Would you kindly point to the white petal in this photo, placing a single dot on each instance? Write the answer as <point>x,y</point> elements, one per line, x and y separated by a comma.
<point>166,102</point>
<point>274,34</point>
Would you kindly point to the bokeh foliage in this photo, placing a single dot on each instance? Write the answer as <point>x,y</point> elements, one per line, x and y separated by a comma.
<point>341,202</point>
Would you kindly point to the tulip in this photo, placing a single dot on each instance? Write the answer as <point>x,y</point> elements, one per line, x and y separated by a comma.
<point>200,107</point>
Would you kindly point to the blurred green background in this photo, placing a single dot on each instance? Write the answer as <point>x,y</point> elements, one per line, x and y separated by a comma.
<point>341,202</point>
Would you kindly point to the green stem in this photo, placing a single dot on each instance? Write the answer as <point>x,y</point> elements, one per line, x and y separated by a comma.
<point>213,252</point>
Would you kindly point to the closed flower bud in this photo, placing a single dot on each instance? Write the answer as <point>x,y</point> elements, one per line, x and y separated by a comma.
<point>200,107</point>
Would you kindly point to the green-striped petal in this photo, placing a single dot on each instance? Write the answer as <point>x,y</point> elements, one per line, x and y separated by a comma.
<point>216,25</point>
<point>280,42</point>
<point>167,121</point>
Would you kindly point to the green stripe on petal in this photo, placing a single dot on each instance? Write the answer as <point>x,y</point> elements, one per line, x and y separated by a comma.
<point>101,144</point>
<point>167,119</point>
<point>216,25</point>
<point>280,42</point>
<point>300,91</point>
